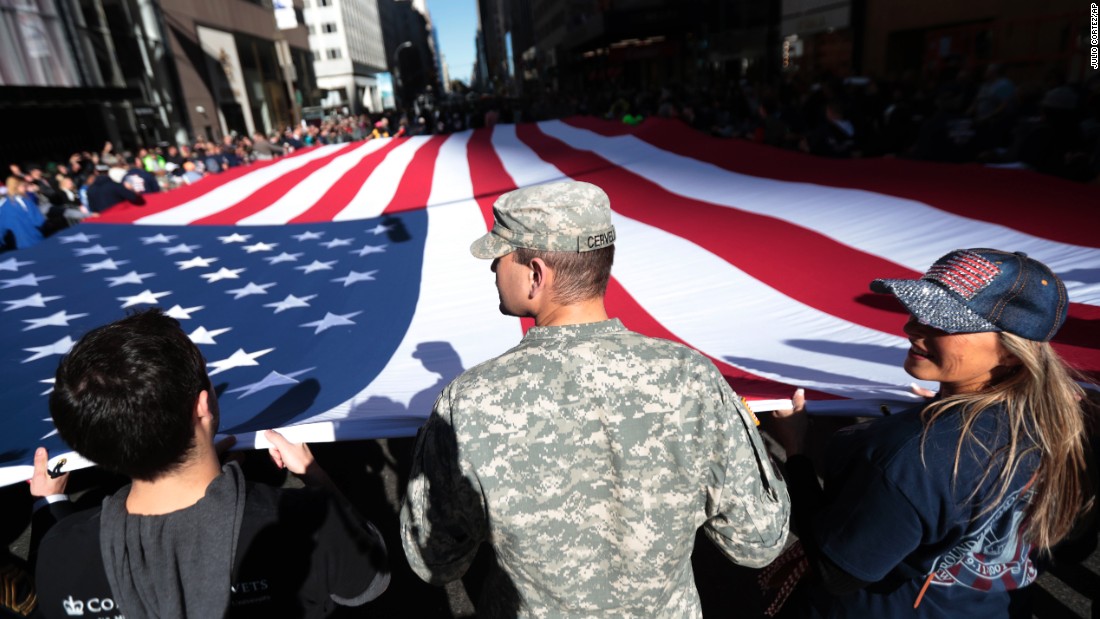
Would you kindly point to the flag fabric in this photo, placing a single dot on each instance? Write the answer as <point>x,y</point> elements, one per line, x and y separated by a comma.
<point>333,294</point>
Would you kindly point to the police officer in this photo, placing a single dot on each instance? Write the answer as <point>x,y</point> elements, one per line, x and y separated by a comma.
<point>588,455</point>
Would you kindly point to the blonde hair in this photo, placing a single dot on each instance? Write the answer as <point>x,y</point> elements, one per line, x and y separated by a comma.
<point>1045,411</point>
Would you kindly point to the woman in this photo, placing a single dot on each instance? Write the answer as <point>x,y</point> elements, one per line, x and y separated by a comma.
<point>945,508</point>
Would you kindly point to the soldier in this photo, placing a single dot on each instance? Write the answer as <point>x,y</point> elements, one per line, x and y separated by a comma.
<point>588,455</point>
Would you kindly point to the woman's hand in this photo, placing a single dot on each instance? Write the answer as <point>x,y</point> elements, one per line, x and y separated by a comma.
<point>790,426</point>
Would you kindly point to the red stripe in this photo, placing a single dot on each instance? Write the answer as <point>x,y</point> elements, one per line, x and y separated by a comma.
<point>490,180</point>
<point>414,189</point>
<point>620,303</point>
<point>1012,198</point>
<point>268,194</point>
<point>127,213</point>
<point>835,278</point>
<point>341,193</point>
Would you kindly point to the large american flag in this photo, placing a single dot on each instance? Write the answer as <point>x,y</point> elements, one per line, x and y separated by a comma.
<point>332,292</point>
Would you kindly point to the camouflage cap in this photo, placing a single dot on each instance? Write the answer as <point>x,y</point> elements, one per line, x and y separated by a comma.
<point>565,216</point>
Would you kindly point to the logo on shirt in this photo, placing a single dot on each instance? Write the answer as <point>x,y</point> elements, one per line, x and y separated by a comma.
<point>995,557</point>
<point>75,608</point>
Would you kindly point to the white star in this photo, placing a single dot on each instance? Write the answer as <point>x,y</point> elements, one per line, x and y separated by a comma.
<point>283,257</point>
<point>331,320</point>
<point>104,265</point>
<point>146,296</point>
<point>273,379</point>
<point>11,264</point>
<point>182,313</point>
<point>133,277</point>
<point>182,248</point>
<point>369,249</point>
<point>237,359</point>
<point>336,243</point>
<point>316,265</point>
<point>221,274</point>
<point>60,319</point>
<point>159,238</point>
<point>380,229</point>
<point>259,247</point>
<point>47,381</point>
<point>202,336</point>
<point>79,237</point>
<point>250,289</point>
<point>197,261</point>
<point>236,237</point>
<point>59,347</point>
<point>35,300</point>
<point>94,250</point>
<point>305,236</point>
<point>290,302</point>
<point>30,279</point>
<point>356,276</point>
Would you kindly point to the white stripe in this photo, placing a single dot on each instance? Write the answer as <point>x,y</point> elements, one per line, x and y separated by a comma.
<point>721,311</point>
<point>231,193</point>
<point>381,186</point>
<point>305,194</point>
<point>907,232</point>
<point>458,304</point>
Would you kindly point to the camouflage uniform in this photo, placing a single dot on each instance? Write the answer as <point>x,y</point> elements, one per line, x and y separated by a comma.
<point>588,456</point>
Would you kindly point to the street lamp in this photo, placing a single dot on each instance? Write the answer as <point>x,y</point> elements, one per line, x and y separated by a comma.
<point>397,71</point>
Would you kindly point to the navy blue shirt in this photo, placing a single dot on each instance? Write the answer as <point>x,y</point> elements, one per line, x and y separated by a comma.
<point>141,181</point>
<point>104,193</point>
<point>897,521</point>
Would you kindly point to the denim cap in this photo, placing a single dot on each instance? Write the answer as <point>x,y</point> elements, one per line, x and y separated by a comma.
<point>567,216</point>
<point>978,290</point>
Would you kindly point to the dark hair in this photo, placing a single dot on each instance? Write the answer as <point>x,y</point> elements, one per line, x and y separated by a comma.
<point>125,394</point>
<point>579,275</point>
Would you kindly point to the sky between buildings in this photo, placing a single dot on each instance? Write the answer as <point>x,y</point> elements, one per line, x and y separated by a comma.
<point>456,24</point>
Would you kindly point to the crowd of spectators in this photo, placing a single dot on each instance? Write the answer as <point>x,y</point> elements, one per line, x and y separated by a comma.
<point>957,115</point>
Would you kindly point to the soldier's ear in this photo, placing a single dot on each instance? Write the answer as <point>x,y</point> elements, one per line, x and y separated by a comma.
<point>539,273</point>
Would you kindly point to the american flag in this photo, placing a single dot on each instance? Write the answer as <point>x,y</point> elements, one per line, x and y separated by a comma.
<point>333,293</point>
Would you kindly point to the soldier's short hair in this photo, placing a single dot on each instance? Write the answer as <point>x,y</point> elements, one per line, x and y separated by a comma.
<point>578,276</point>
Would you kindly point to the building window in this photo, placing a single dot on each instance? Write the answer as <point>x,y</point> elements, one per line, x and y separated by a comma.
<point>305,4</point>
<point>328,28</point>
<point>324,2</point>
<point>312,29</point>
<point>316,54</point>
<point>333,53</point>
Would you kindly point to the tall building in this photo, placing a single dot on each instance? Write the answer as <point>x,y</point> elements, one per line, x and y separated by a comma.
<point>238,70</point>
<point>348,51</point>
<point>579,44</point>
<point>495,26</point>
<point>411,49</point>
<point>77,73</point>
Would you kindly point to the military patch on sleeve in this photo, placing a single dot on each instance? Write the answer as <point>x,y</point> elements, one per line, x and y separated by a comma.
<point>745,403</point>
